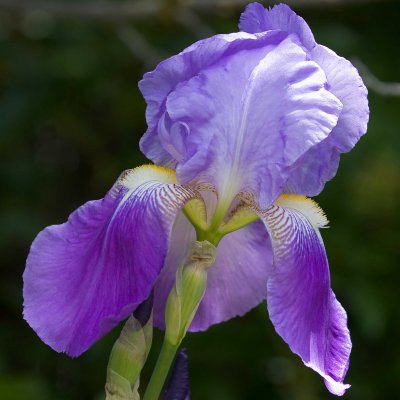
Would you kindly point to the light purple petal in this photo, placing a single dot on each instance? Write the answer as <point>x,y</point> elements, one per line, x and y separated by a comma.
<point>236,282</point>
<point>320,163</point>
<point>256,18</point>
<point>250,117</point>
<point>86,275</point>
<point>198,102</point>
<point>301,304</point>
<point>157,85</point>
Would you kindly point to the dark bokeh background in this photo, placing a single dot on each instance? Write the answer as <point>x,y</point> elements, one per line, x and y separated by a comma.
<point>70,120</point>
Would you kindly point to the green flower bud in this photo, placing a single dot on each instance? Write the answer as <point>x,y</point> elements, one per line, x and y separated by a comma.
<point>127,359</point>
<point>188,291</point>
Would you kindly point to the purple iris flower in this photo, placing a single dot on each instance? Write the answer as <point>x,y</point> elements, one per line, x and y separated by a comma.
<point>241,128</point>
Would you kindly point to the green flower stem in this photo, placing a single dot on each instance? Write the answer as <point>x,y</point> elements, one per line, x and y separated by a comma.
<point>161,370</point>
<point>180,309</point>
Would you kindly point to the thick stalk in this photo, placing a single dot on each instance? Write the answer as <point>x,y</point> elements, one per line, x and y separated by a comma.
<point>160,372</point>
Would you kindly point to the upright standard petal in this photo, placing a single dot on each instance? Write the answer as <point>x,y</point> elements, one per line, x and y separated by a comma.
<point>159,139</point>
<point>236,282</point>
<point>86,275</point>
<point>301,304</point>
<point>250,117</point>
<point>320,163</point>
<point>256,18</point>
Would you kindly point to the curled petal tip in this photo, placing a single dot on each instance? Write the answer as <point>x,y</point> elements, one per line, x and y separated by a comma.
<point>335,387</point>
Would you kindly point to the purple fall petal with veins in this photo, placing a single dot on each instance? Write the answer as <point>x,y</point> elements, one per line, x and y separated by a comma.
<point>83,277</point>
<point>301,304</point>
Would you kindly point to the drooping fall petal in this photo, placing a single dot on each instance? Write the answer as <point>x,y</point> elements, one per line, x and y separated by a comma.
<point>301,304</point>
<point>86,275</point>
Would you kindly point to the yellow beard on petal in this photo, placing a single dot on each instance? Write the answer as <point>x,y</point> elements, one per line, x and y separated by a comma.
<point>308,207</point>
<point>135,177</point>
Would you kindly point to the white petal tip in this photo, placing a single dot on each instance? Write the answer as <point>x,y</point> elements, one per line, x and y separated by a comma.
<point>337,388</point>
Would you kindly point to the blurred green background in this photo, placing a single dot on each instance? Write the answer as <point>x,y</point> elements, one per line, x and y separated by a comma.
<point>71,117</point>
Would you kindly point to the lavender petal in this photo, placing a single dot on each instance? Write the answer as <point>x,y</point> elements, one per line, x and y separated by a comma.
<point>301,304</point>
<point>320,163</point>
<point>86,275</point>
<point>256,18</point>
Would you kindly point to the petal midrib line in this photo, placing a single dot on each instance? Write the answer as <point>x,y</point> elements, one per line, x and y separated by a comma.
<point>229,190</point>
